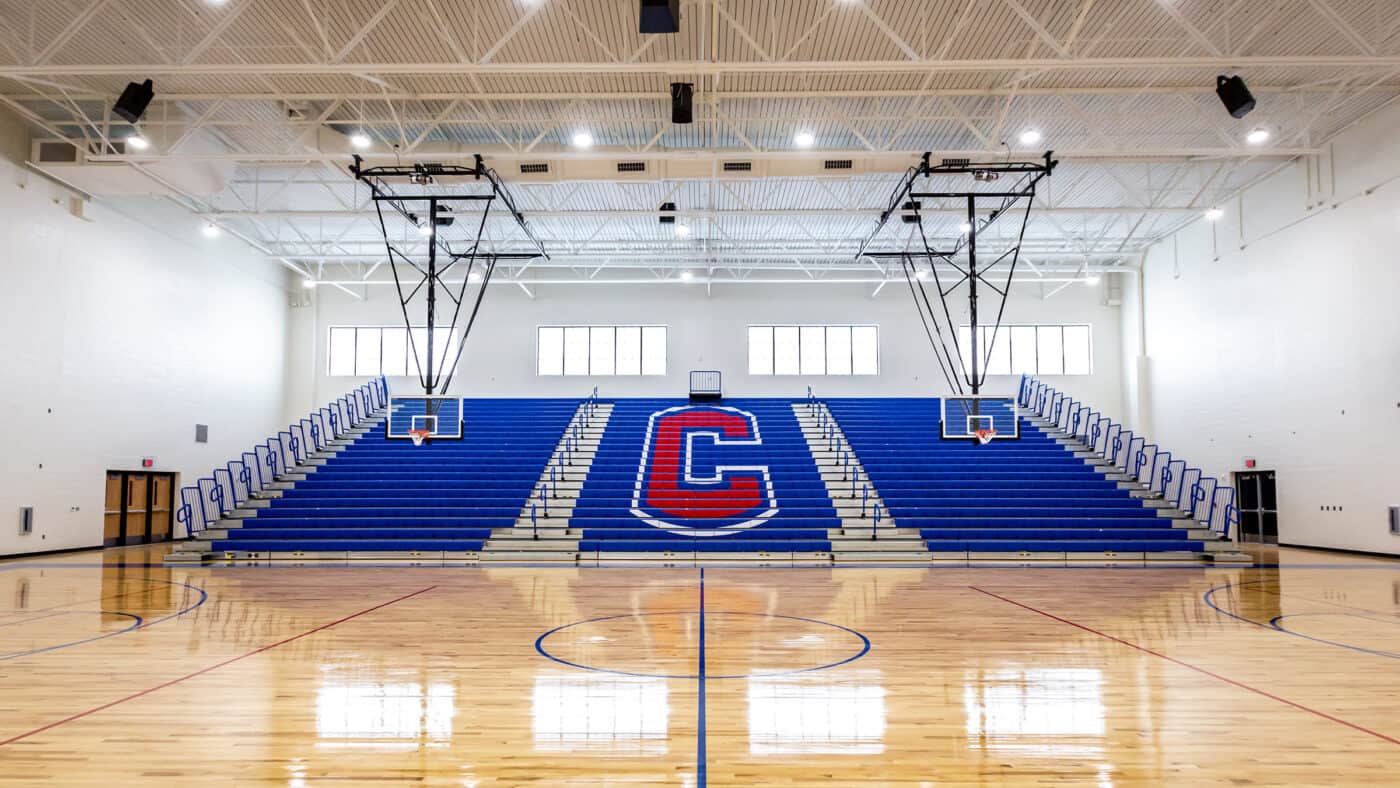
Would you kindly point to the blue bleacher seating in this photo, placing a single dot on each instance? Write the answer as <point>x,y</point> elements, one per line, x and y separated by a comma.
<point>389,495</point>
<point>1026,495</point>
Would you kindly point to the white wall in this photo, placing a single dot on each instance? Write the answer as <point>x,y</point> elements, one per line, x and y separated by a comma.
<point>1275,333</point>
<point>117,336</point>
<point>711,333</point>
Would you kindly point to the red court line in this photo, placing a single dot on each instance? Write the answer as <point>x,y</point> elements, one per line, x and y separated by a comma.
<point>213,667</point>
<point>1189,666</point>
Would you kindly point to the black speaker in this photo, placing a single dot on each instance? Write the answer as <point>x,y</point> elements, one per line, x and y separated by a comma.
<point>1234,95</point>
<point>668,218</point>
<point>682,102</point>
<point>661,16</point>
<point>133,101</point>
<point>911,218</point>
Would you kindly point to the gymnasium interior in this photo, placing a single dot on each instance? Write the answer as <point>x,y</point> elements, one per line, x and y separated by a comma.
<point>699,392</point>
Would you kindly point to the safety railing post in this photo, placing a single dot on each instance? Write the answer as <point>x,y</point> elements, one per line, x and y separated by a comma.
<point>864,498</point>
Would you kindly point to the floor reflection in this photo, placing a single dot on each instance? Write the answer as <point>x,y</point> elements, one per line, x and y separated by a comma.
<point>401,715</point>
<point>1057,712</point>
<point>797,714</point>
<point>601,712</point>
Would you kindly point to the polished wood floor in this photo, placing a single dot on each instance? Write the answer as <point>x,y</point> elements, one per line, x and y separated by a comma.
<point>116,671</point>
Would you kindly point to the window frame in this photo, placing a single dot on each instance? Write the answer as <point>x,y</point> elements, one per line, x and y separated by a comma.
<point>773,372</point>
<point>1004,335</point>
<point>641,350</point>
<point>410,350</point>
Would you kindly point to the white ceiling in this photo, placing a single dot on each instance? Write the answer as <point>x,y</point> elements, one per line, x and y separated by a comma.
<point>266,90</point>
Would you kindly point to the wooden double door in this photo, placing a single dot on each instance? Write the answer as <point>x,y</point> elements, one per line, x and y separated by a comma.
<point>140,508</point>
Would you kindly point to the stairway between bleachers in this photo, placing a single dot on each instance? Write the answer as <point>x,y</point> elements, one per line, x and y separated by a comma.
<point>867,533</point>
<point>541,532</point>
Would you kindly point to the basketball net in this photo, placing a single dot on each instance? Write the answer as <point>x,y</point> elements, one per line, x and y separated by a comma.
<point>984,436</point>
<point>419,436</point>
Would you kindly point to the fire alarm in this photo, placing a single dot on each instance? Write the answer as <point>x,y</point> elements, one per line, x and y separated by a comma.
<point>150,462</point>
<point>1249,462</point>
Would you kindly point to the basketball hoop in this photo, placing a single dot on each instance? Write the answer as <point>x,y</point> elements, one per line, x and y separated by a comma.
<point>984,436</point>
<point>419,436</point>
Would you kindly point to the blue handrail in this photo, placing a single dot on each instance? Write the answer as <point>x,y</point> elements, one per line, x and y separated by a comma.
<point>227,487</point>
<point>1188,488</point>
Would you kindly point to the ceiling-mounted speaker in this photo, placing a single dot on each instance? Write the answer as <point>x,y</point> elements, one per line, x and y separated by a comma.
<point>661,16</point>
<point>682,102</point>
<point>668,215</point>
<point>1234,94</point>
<point>132,103</point>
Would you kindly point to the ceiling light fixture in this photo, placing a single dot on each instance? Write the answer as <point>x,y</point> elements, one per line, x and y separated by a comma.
<point>1030,137</point>
<point>211,230</point>
<point>804,139</point>
<point>682,230</point>
<point>583,139</point>
<point>965,228</point>
<point>474,277</point>
<point>360,140</point>
<point>1091,280</point>
<point>425,229</point>
<point>687,276</point>
<point>1257,136</point>
<point>137,142</point>
<point>1214,214</point>
<point>308,283</point>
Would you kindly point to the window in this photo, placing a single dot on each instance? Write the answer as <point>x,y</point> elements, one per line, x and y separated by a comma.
<point>1030,350</point>
<point>600,350</point>
<point>814,350</point>
<point>387,350</point>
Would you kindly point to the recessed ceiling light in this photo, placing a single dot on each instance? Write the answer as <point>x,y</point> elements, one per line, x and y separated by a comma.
<point>965,228</point>
<point>1030,137</point>
<point>308,283</point>
<point>1257,137</point>
<point>1214,214</point>
<point>804,139</point>
<point>360,140</point>
<point>211,230</point>
<point>687,276</point>
<point>682,230</point>
<point>425,229</point>
<point>138,142</point>
<point>583,139</point>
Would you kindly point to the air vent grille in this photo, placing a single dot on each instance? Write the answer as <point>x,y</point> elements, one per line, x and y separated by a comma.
<point>534,168</point>
<point>836,164</point>
<point>631,166</point>
<point>738,166</point>
<point>57,153</point>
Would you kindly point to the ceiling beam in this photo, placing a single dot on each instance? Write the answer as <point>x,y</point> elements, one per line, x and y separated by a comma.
<point>663,68</point>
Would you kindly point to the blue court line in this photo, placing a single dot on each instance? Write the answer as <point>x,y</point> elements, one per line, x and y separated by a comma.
<point>135,624</point>
<point>1274,626</point>
<point>660,564</point>
<point>140,622</point>
<point>539,646</point>
<point>701,758</point>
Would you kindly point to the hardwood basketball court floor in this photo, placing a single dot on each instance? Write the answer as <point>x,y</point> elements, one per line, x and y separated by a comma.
<point>116,670</point>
